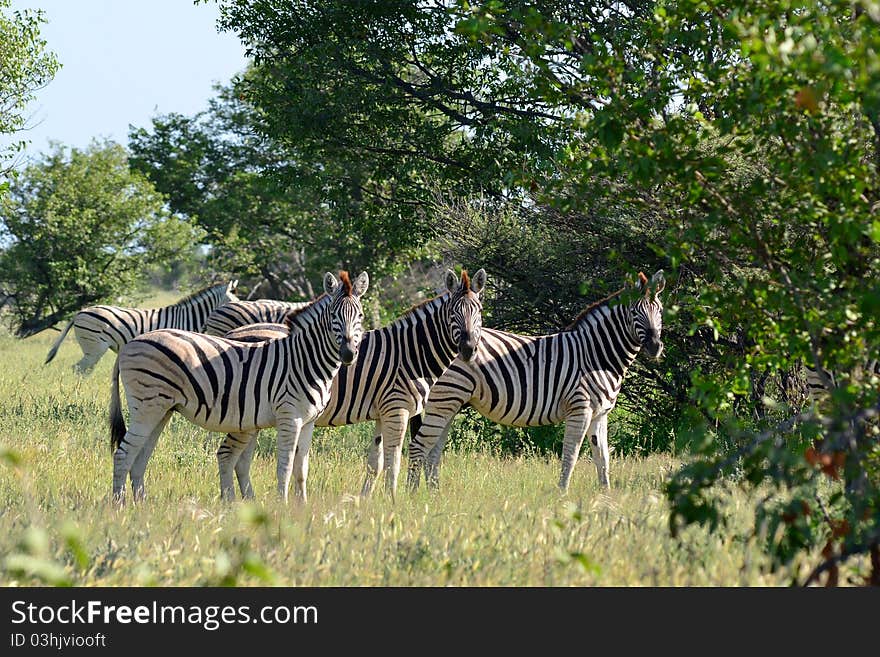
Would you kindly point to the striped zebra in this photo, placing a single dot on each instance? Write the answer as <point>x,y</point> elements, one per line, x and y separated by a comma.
<point>98,328</point>
<point>236,387</point>
<point>572,376</point>
<point>820,385</point>
<point>396,368</point>
<point>231,315</point>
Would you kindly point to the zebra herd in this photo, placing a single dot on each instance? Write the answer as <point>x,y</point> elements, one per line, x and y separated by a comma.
<point>237,387</point>
<point>236,367</point>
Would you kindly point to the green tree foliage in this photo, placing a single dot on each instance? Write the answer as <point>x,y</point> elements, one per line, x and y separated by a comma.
<point>265,210</point>
<point>389,103</point>
<point>81,227</point>
<point>25,67</point>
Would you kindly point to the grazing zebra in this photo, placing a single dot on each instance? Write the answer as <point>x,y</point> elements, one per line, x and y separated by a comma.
<point>99,328</point>
<point>236,387</point>
<point>526,381</point>
<point>230,316</point>
<point>396,368</point>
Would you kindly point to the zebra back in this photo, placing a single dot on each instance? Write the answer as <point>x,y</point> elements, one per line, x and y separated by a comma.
<point>236,314</point>
<point>188,314</point>
<point>397,363</point>
<point>258,332</point>
<point>113,326</point>
<point>820,385</point>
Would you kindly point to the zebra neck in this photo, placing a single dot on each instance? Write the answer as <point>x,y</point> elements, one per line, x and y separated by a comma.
<point>609,342</point>
<point>311,313</point>
<point>318,343</point>
<point>192,313</point>
<point>430,332</point>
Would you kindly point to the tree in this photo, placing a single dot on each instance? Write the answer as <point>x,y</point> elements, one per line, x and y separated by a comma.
<point>81,227</point>
<point>265,211</point>
<point>389,103</point>
<point>25,67</point>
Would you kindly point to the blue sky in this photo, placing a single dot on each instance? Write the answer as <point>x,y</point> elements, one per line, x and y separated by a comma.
<point>123,61</point>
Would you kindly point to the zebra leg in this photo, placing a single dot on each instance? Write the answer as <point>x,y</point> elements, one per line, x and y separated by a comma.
<point>375,461</point>
<point>243,468</point>
<point>575,429</point>
<point>394,429</point>
<point>227,457</point>
<point>288,436</point>
<point>301,462</point>
<point>598,433</point>
<point>139,467</point>
<point>92,350</point>
<point>123,459</point>
<point>432,462</point>
<point>452,391</point>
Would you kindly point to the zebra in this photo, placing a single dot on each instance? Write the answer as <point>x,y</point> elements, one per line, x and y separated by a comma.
<point>575,376</point>
<point>232,315</point>
<point>99,328</point>
<point>236,387</point>
<point>821,385</point>
<point>396,368</point>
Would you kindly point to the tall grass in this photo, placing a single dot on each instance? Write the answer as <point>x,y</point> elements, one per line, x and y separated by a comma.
<point>496,521</point>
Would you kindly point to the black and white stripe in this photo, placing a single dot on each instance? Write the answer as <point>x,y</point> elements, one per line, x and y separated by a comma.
<point>236,387</point>
<point>821,385</point>
<point>394,373</point>
<point>574,376</point>
<point>99,328</point>
<point>231,316</point>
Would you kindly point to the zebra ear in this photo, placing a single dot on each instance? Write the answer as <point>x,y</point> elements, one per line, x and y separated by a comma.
<point>451,280</point>
<point>232,285</point>
<point>658,282</point>
<point>360,284</point>
<point>330,283</point>
<point>478,281</point>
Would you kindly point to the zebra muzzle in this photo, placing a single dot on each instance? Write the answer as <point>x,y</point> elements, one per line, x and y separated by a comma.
<point>654,348</point>
<point>347,354</point>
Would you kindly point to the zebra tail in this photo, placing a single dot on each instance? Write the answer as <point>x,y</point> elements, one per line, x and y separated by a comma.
<point>117,422</point>
<point>54,349</point>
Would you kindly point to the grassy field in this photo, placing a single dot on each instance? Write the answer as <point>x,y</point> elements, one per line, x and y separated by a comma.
<point>495,521</point>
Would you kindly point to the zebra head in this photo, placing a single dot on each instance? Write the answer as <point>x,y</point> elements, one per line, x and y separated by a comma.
<point>466,310</point>
<point>648,313</point>
<point>346,313</point>
<point>229,293</point>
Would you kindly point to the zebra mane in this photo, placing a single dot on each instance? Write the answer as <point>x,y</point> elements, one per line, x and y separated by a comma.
<point>346,283</point>
<point>299,317</point>
<point>415,308</point>
<point>593,306</point>
<point>465,283</point>
<point>198,294</point>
